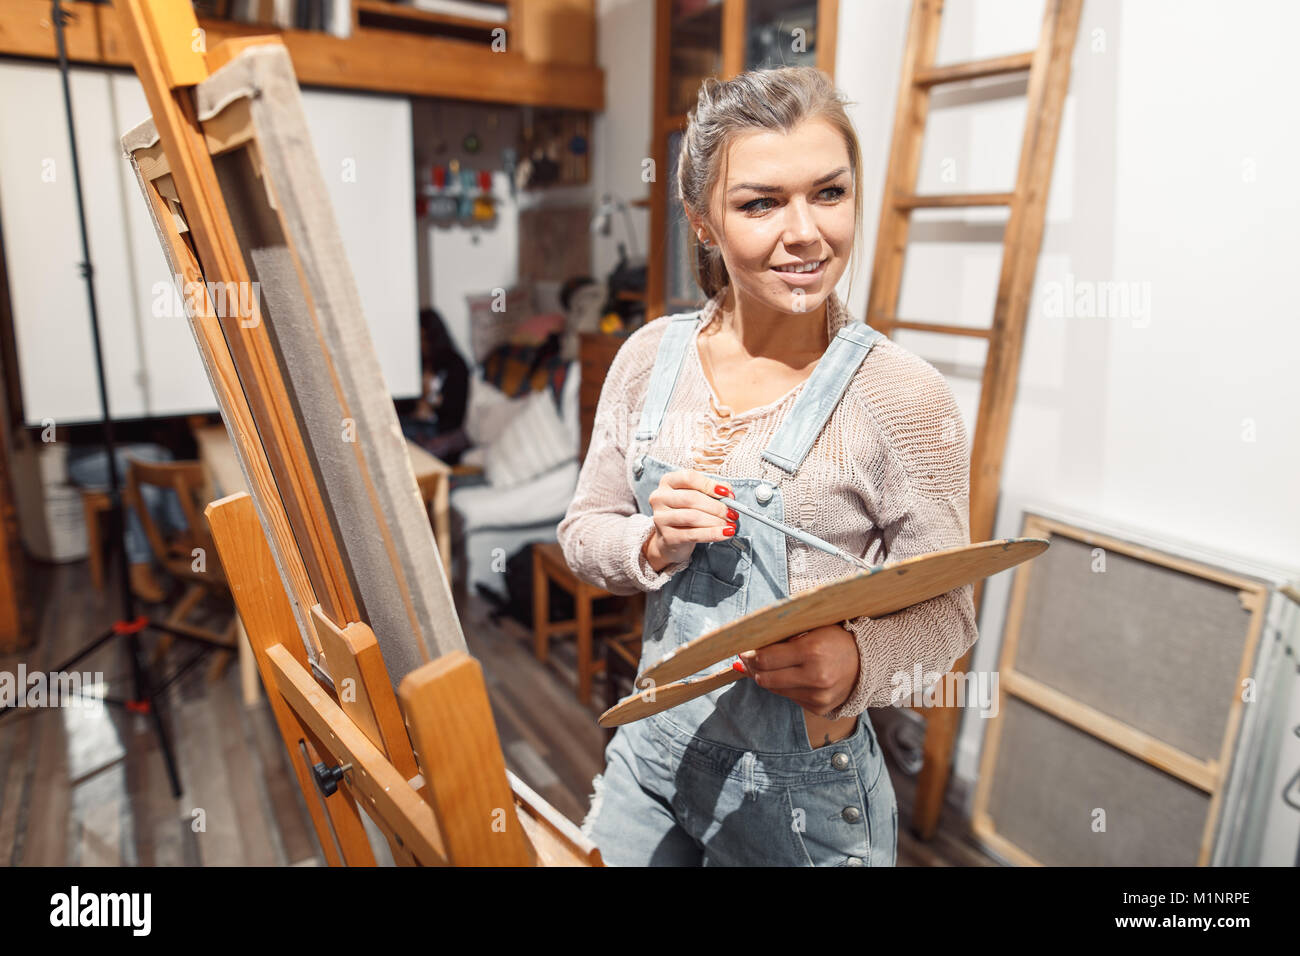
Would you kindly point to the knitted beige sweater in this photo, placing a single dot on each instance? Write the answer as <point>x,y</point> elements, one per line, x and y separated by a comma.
<point>887,479</point>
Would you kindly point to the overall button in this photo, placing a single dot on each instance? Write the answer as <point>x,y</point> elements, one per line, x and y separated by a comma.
<point>840,761</point>
<point>853,861</point>
<point>638,465</point>
<point>763,493</point>
<point>851,814</point>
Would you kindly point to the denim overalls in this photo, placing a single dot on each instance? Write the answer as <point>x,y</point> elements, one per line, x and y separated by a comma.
<point>730,778</point>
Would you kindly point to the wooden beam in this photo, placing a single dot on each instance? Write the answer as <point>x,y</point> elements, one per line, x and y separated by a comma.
<point>352,653</point>
<point>1202,774</point>
<point>974,69</point>
<point>372,777</point>
<point>381,61</point>
<point>229,392</point>
<point>953,200</point>
<point>450,719</point>
<point>886,325</point>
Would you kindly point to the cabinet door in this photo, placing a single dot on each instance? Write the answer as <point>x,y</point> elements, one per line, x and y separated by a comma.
<point>780,33</point>
<point>42,243</point>
<point>695,51</point>
<point>152,364</point>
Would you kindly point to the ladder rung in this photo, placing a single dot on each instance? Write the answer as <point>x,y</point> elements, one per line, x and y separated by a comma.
<point>974,69</point>
<point>953,199</point>
<point>880,322</point>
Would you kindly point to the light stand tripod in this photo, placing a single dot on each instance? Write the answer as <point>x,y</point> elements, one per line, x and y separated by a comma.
<point>146,695</point>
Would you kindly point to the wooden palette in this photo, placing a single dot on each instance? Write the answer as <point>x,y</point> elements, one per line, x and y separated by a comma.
<point>655,699</point>
<point>875,593</point>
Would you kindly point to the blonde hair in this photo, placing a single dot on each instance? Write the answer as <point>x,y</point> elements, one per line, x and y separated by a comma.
<point>777,100</point>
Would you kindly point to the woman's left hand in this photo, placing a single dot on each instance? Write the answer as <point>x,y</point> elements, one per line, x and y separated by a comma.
<point>816,669</point>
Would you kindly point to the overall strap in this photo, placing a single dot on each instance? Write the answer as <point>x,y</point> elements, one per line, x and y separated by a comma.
<point>663,377</point>
<point>820,396</point>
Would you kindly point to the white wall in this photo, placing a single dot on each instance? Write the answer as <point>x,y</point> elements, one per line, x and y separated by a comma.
<point>1174,177</point>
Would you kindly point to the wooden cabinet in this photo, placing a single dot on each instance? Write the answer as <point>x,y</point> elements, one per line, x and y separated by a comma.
<point>699,38</point>
<point>556,31</point>
<point>548,56</point>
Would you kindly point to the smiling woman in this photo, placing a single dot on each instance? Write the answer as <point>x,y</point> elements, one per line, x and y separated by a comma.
<point>792,173</point>
<point>772,396</point>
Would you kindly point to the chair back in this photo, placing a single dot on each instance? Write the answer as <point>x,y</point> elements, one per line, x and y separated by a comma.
<point>176,550</point>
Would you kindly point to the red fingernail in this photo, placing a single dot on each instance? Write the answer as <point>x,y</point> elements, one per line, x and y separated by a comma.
<point>732,516</point>
<point>724,491</point>
<point>728,531</point>
<point>738,666</point>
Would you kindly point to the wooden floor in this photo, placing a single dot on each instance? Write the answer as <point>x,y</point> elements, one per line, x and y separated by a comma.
<point>89,787</point>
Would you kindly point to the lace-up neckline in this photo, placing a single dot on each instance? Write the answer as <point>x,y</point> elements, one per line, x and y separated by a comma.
<point>720,409</point>
<point>721,427</point>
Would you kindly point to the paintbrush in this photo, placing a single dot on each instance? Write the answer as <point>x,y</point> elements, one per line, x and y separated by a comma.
<point>804,536</point>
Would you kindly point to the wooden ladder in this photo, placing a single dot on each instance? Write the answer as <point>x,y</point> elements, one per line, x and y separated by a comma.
<point>1048,68</point>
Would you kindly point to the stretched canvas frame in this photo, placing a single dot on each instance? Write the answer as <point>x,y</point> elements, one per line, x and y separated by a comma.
<point>1146,740</point>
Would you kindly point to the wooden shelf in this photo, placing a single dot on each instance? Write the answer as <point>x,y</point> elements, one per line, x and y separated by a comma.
<point>381,61</point>
<point>417,18</point>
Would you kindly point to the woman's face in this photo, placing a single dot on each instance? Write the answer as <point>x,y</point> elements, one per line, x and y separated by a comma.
<point>787,199</point>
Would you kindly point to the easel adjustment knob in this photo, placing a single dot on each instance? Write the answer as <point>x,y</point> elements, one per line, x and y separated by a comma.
<point>327,778</point>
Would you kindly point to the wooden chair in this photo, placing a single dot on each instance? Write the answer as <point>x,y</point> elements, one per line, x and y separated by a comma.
<point>548,566</point>
<point>94,503</point>
<point>189,555</point>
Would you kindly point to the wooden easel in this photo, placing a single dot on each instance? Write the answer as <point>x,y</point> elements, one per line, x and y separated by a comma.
<point>428,771</point>
<point>465,808</point>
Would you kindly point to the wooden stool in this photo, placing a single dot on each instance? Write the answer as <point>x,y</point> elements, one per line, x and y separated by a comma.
<point>94,503</point>
<point>622,655</point>
<point>548,566</point>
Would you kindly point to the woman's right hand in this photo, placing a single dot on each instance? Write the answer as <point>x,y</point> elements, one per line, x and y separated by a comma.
<point>687,510</point>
